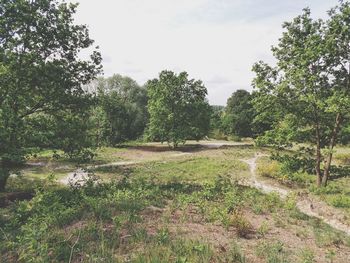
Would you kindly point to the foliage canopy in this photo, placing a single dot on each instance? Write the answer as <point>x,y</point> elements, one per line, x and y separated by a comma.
<point>178,108</point>
<point>40,68</point>
<point>307,94</point>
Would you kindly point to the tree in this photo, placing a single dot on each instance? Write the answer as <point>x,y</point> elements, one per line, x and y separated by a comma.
<point>178,108</point>
<point>239,114</point>
<point>309,89</point>
<point>41,72</point>
<point>124,104</point>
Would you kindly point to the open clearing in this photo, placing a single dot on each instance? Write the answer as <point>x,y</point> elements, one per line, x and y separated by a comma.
<point>154,204</point>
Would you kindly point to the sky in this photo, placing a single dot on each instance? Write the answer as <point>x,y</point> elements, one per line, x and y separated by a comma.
<point>216,41</point>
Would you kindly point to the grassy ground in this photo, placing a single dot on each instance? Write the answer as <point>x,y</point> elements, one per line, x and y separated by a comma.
<point>173,207</point>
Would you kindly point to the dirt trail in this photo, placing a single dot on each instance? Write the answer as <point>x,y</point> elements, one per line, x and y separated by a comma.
<point>305,203</point>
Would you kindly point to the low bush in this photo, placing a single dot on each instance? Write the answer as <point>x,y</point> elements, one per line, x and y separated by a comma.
<point>340,200</point>
<point>241,224</point>
<point>342,158</point>
<point>272,252</point>
<point>271,169</point>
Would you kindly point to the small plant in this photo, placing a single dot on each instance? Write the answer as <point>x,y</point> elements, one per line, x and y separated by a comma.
<point>140,235</point>
<point>257,208</point>
<point>272,252</point>
<point>290,202</point>
<point>236,254</point>
<point>340,201</point>
<point>163,236</point>
<point>241,224</point>
<point>270,169</point>
<point>263,229</point>
<point>343,158</point>
<point>330,255</point>
<point>325,236</point>
<point>307,256</point>
<point>272,201</point>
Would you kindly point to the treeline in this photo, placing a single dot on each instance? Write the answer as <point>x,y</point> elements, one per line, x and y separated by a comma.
<point>171,108</point>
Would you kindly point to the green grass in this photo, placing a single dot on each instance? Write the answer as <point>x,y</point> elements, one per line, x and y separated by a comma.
<point>108,155</point>
<point>193,170</point>
<point>272,252</point>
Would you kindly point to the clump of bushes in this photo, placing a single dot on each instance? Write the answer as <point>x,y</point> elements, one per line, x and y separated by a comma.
<point>340,201</point>
<point>288,169</point>
<point>271,169</point>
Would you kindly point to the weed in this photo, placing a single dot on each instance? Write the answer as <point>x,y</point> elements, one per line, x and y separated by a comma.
<point>325,236</point>
<point>163,236</point>
<point>263,229</point>
<point>342,158</point>
<point>270,169</point>
<point>330,255</point>
<point>307,256</point>
<point>341,200</point>
<point>241,224</point>
<point>236,254</point>
<point>272,252</point>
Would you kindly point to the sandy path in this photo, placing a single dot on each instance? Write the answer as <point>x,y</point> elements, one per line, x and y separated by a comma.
<point>305,203</point>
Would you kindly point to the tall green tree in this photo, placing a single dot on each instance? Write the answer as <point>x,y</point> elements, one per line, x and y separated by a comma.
<point>309,89</point>
<point>124,104</point>
<point>41,71</point>
<point>239,114</point>
<point>178,108</point>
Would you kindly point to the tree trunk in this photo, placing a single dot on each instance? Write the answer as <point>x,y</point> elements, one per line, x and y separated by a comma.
<point>331,146</point>
<point>4,175</point>
<point>318,157</point>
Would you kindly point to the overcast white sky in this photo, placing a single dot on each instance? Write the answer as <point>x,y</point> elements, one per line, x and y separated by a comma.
<point>216,41</point>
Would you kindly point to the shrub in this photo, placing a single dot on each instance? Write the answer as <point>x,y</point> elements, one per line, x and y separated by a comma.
<point>236,254</point>
<point>271,169</point>
<point>272,252</point>
<point>343,158</point>
<point>340,201</point>
<point>307,256</point>
<point>241,224</point>
<point>263,229</point>
<point>163,236</point>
